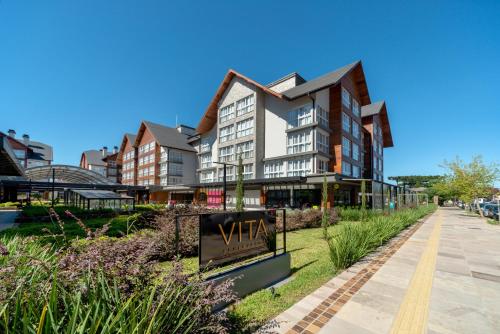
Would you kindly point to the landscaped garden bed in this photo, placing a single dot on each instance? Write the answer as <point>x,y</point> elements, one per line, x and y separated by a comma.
<point>73,265</point>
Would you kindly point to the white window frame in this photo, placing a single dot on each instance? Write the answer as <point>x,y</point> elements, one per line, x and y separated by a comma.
<point>226,113</point>
<point>300,116</point>
<point>322,117</point>
<point>246,150</point>
<point>299,167</point>
<point>274,169</point>
<point>206,160</point>
<point>245,105</point>
<point>322,166</point>
<point>226,153</point>
<point>247,171</point>
<point>230,175</point>
<point>226,133</point>
<point>322,142</point>
<point>299,142</point>
<point>244,128</point>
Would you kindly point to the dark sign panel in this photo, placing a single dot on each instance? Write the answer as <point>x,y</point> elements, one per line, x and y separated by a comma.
<point>226,237</point>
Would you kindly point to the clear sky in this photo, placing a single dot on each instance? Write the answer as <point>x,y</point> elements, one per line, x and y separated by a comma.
<point>78,74</point>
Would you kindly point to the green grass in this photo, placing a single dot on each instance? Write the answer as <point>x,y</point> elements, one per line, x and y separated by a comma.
<point>119,226</point>
<point>493,222</point>
<point>311,268</point>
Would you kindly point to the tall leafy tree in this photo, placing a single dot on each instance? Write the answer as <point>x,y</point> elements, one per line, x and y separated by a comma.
<point>240,192</point>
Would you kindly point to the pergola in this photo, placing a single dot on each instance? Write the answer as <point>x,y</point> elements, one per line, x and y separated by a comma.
<point>66,174</point>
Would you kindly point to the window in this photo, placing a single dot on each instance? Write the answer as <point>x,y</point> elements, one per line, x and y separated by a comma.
<point>375,163</point>
<point>226,133</point>
<point>355,129</point>
<point>380,164</point>
<point>207,176</point>
<point>346,168</point>
<point>299,142</point>
<point>226,113</point>
<point>226,154</point>
<point>175,156</point>
<point>322,117</point>
<point>206,160</point>
<point>174,180</point>
<point>229,173</point>
<point>245,105</point>
<point>147,147</point>
<point>244,128</point>
<point>141,161</point>
<point>346,147</point>
<point>356,171</point>
<point>152,171</point>
<point>355,151</point>
<point>205,145</point>
<point>355,108</point>
<point>322,166</point>
<point>245,150</point>
<point>273,169</point>
<point>346,98</point>
<point>299,167</point>
<point>175,169</point>
<point>300,116</point>
<point>322,142</point>
<point>346,122</point>
<point>247,171</point>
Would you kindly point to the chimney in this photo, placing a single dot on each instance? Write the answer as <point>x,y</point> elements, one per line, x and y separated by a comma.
<point>26,139</point>
<point>105,151</point>
<point>115,149</point>
<point>12,133</point>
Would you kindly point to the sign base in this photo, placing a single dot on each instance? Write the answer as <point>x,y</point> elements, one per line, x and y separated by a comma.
<point>255,276</point>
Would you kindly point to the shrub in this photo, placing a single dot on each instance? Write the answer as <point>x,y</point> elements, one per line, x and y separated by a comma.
<point>308,218</point>
<point>353,241</point>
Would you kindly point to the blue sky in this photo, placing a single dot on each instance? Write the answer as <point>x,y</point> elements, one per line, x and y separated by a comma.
<point>78,74</point>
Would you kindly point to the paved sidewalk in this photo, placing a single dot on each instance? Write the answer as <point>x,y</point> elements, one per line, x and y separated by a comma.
<point>7,218</point>
<point>440,276</point>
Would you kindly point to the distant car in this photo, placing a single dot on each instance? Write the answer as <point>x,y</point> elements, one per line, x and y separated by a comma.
<point>481,206</point>
<point>490,210</point>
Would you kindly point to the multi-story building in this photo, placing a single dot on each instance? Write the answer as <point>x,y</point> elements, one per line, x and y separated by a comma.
<point>102,162</point>
<point>288,132</point>
<point>30,153</point>
<point>160,158</point>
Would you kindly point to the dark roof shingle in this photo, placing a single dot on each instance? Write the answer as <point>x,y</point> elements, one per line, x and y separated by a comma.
<point>169,137</point>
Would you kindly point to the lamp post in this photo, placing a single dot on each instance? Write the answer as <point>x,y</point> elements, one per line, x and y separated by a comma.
<point>225,164</point>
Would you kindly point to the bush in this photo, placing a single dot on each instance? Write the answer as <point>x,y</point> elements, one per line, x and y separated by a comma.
<point>299,219</point>
<point>84,291</point>
<point>9,204</point>
<point>353,241</point>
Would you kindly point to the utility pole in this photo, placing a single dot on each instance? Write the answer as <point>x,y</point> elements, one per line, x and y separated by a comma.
<point>224,182</point>
<point>53,185</point>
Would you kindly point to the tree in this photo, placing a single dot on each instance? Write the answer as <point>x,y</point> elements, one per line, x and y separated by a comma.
<point>469,181</point>
<point>415,181</point>
<point>239,186</point>
<point>325,217</point>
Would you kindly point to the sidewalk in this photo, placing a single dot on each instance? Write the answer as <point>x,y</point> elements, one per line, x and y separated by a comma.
<point>440,276</point>
<point>7,218</point>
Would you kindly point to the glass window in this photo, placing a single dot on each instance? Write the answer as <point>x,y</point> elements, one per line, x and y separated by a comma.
<point>346,98</point>
<point>299,167</point>
<point>244,128</point>
<point>322,116</point>
<point>346,168</point>
<point>322,166</point>
<point>206,160</point>
<point>322,142</point>
<point>355,129</point>
<point>299,142</point>
<point>247,171</point>
<point>226,154</point>
<point>300,116</point>
<point>226,113</point>
<point>245,105</point>
<point>355,151</point>
<point>207,176</point>
<point>346,147</point>
<point>229,173</point>
<point>205,145</point>
<point>356,171</point>
<point>355,108</point>
<point>175,156</point>
<point>245,150</point>
<point>226,133</point>
<point>273,169</point>
<point>346,122</point>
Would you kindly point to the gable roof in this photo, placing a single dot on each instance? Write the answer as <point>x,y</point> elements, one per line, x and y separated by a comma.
<point>164,136</point>
<point>331,79</point>
<point>210,117</point>
<point>94,157</point>
<point>379,108</point>
<point>131,138</point>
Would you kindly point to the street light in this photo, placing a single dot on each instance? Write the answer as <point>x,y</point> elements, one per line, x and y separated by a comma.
<point>225,164</point>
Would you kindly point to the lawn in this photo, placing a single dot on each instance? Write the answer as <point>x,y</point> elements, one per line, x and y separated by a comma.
<point>119,226</point>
